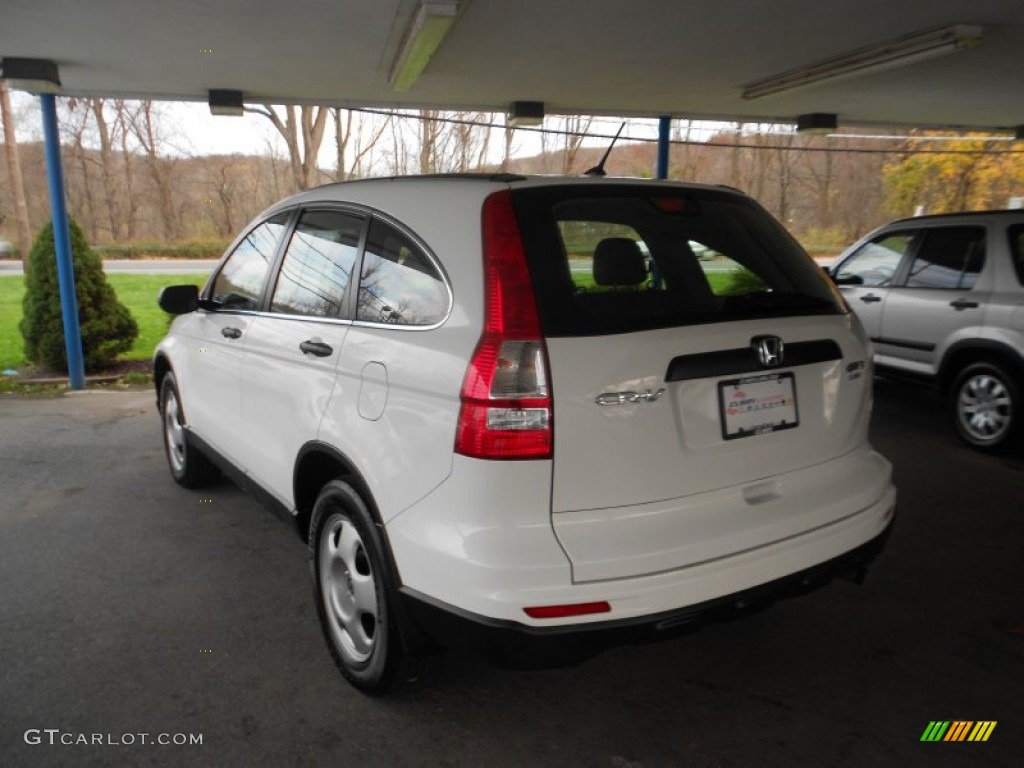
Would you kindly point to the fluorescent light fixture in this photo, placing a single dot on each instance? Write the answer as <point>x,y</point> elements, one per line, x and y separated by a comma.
<point>430,24</point>
<point>33,75</point>
<point>816,123</point>
<point>526,113</point>
<point>877,58</point>
<point>225,102</point>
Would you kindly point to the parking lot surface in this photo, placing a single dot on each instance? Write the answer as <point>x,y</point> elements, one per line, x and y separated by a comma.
<point>138,612</point>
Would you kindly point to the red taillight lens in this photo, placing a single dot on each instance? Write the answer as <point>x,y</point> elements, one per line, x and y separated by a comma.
<point>506,396</point>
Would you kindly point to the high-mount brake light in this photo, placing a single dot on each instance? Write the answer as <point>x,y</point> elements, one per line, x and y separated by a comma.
<point>506,394</point>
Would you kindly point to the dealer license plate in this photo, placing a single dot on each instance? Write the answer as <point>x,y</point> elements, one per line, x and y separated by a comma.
<point>757,405</point>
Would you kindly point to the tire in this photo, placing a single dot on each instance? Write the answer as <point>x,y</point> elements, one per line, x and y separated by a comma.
<point>986,406</point>
<point>189,467</point>
<point>355,594</point>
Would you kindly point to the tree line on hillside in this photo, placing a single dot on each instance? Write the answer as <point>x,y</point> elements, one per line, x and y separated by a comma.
<point>128,181</point>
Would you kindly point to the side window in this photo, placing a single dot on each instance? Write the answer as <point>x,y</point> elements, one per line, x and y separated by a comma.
<point>399,285</point>
<point>875,263</point>
<point>948,257</point>
<point>1016,233</point>
<point>317,265</point>
<point>240,281</point>
<point>605,256</point>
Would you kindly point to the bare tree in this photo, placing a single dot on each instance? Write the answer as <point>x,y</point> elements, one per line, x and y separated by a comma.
<point>122,123</point>
<point>79,164</point>
<point>355,141</point>
<point>14,174</point>
<point>576,128</point>
<point>303,132</point>
<point>115,217</point>
<point>146,130</point>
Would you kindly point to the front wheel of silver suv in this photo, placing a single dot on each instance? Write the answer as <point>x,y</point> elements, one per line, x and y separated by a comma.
<point>986,406</point>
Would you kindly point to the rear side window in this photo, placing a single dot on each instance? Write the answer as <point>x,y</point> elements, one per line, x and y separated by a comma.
<point>631,258</point>
<point>399,284</point>
<point>239,284</point>
<point>948,257</point>
<point>318,264</point>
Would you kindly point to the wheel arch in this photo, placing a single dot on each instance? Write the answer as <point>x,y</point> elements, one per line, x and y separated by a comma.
<point>964,353</point>
<point>161,367</point>
<point>317,464</point>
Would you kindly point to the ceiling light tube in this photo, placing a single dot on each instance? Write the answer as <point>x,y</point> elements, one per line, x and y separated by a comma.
<point>878,58</point>
<point>33,75</point>
<point>427,31</point>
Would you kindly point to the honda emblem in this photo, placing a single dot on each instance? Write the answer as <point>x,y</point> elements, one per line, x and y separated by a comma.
<point>768,350</point>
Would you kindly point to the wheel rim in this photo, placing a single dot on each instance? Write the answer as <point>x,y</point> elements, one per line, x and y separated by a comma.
<point>174,433</point>
<point>348,588</point>
<point>984,407</point>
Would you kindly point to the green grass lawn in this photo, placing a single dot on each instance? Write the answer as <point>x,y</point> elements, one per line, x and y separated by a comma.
<point>137,292</point>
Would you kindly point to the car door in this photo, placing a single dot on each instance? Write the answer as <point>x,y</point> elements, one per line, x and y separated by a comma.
<point>216,336</point>
<point>866,276</point>
<point>937,297</point>
<point>292,350</point>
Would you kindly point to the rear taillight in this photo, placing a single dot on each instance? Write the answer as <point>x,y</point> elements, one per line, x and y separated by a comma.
<point>506,395</point>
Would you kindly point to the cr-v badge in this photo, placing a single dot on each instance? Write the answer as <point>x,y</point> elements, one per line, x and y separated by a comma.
<point>621,398</point>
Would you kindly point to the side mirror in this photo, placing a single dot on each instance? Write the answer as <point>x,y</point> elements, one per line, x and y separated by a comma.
<point>179,299</point>
<point>848,280</point>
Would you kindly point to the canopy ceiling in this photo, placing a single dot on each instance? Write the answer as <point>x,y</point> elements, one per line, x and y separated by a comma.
<point>686,58</point>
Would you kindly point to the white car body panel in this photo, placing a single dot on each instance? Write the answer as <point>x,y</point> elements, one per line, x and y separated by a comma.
<point>285,395</point>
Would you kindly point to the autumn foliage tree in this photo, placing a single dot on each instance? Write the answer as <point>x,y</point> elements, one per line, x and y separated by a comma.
<point>970,174</point>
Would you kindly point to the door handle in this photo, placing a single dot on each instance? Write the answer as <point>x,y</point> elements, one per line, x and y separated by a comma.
<point>231,333</point>
<point>963,304</point>
<point>870,298</point>
<point>317,348</point>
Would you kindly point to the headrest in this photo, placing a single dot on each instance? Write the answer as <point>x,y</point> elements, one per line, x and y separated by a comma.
<point>618,261</point>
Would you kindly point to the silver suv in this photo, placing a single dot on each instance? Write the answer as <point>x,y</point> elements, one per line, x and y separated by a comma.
<point>942,297</point>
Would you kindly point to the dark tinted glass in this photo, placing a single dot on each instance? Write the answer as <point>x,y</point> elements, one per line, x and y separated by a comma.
<point>239,283</point>
<point>399,284</point>
<point>1016,233</point>
<point>948,257</point>
<point>317,266</point>
<point>630,257</point>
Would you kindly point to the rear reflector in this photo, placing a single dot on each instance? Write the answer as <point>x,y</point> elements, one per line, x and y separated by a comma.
<point>563,611</point>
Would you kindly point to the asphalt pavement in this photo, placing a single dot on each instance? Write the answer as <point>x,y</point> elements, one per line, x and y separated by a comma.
<point>133,611</point>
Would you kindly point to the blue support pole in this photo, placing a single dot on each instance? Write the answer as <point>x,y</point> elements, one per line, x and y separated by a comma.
<point>62,239</point>
<point>664,128</point>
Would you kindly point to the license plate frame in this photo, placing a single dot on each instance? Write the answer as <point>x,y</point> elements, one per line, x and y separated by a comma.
<point>757,405</point>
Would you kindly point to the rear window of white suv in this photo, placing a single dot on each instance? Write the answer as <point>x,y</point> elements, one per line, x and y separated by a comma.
<point>634,258</point>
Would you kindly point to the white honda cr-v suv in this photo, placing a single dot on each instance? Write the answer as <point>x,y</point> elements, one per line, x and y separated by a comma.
<point>521,416</point>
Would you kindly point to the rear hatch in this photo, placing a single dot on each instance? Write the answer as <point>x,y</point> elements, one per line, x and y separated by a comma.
<point>694,351</point>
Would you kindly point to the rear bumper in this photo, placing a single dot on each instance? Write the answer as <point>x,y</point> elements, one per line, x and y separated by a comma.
<point>509,643</point>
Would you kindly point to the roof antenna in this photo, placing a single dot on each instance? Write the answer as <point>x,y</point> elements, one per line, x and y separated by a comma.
<point>598,170</point>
